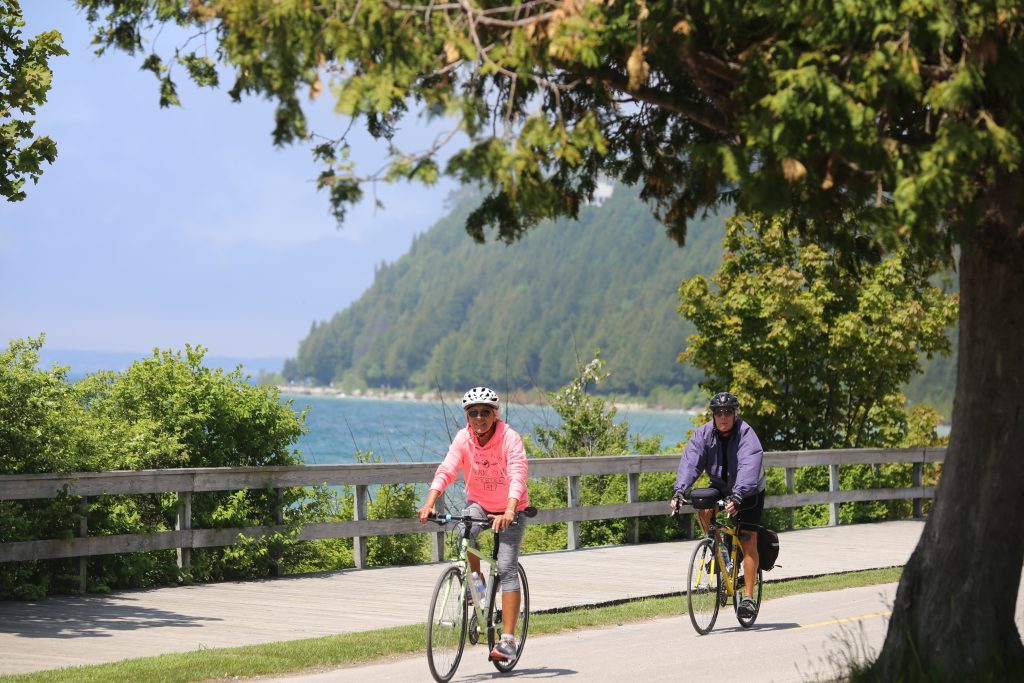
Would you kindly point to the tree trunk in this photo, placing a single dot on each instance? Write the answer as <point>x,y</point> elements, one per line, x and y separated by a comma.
<point>954,612</point>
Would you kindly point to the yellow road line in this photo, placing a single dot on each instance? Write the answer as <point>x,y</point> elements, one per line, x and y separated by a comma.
<point>844,620</point>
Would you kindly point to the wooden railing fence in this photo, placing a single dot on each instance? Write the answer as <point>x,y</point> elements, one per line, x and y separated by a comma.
<point>185,482</point>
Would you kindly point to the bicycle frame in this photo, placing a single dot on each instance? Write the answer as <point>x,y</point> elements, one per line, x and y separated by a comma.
<point>710,584</point>
<point>719,531</point>
<point>463,552</point>
<point>487,616</point>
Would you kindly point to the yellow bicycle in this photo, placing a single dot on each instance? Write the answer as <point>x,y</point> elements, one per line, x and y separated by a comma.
<point>447,626</point>
<point>716,568</point>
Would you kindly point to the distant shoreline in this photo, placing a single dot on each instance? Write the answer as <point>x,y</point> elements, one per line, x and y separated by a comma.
<point>409,395</point>
<point>517,399</point>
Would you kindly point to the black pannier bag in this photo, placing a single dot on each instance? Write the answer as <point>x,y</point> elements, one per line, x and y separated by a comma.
<point>767,548</point>
<point>704,499</point>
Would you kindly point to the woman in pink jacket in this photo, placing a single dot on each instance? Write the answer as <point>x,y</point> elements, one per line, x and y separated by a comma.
<point>493,463</point>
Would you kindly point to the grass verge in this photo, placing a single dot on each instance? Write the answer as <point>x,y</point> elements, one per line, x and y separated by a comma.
<point>352,648</point>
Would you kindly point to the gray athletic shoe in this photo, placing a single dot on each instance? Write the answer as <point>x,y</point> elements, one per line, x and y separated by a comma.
<point>504,649</point>
<point>746,608</point>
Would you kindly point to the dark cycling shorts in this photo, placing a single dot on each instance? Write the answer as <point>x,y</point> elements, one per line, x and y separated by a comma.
<point>751,509</point>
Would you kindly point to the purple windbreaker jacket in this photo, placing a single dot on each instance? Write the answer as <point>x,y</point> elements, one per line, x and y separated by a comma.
<point>703,452</point>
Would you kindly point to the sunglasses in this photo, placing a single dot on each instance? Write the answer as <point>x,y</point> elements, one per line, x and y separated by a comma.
<point>722,412</point>
<point>485,412</point>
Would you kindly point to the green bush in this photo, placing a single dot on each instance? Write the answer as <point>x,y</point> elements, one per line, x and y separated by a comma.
<point>588,429</point>
<point>168,410</point>
<point>44,427</point>
<point>388,501</point>
<point>395,501</point>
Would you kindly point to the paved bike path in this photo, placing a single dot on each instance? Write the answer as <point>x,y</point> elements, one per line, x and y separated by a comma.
<point>70,631</point>
<point>796,639</point>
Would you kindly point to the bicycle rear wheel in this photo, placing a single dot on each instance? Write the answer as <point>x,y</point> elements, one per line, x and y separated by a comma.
<point>704,586</point>
<point>496,619</point>
<point>741,592</point>
<point>446,625</point>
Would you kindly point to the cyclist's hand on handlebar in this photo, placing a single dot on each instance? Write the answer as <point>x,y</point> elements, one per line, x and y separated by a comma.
<point>425,512</point>
<point>732,505</point>
<point>677,502</point>
<point>503,521</point>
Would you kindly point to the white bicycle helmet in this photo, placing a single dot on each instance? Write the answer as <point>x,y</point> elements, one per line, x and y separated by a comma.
<point>480,396</point>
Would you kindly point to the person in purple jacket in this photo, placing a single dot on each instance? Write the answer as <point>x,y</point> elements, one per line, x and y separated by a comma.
<point>730,452</point>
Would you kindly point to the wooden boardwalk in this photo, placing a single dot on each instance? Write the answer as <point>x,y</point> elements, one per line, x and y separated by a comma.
<point>71,631</point>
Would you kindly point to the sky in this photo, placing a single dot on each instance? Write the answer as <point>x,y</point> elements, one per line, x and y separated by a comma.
<point>160,227</point>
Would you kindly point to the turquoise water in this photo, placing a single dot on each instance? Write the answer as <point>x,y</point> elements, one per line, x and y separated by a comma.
<point>420,431</point>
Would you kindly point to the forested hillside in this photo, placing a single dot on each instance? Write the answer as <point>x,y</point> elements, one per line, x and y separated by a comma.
<point>453,313</point>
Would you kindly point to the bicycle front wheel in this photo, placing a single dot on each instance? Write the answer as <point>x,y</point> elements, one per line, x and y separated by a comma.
<point>496,619</point>
<point>704,587</point>
<point>446,625</point>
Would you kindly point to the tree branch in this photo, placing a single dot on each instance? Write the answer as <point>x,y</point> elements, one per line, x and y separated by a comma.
<point>706,118</point>
<point>486,17</point>
<point>717,67</point>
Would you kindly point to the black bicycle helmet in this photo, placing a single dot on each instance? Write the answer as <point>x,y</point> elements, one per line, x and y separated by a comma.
<point>723,399</point>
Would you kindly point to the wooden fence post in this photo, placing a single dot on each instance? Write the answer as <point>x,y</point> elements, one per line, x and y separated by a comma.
<point>573,541</point>
<point>437,538</point>
<point>361,507</point>
<point>633,496</point>
<point>833,486</point>
<point>918,467</point>
<point>184,523</point>
<point>83,531</point>
<point>791,489</point>
<point>277,569</point>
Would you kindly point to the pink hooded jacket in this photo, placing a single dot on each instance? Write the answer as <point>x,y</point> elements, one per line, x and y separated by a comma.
<point>493,473</point>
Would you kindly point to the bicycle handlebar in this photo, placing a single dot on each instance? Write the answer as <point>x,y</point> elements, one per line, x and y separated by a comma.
<point>444,519</point>
<point>720,505</point>
<point>528,511</point>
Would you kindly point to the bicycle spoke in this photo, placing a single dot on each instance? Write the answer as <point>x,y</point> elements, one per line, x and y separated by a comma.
<point>497,618</point>
<point>446,628</point>
<point>704,587</point>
